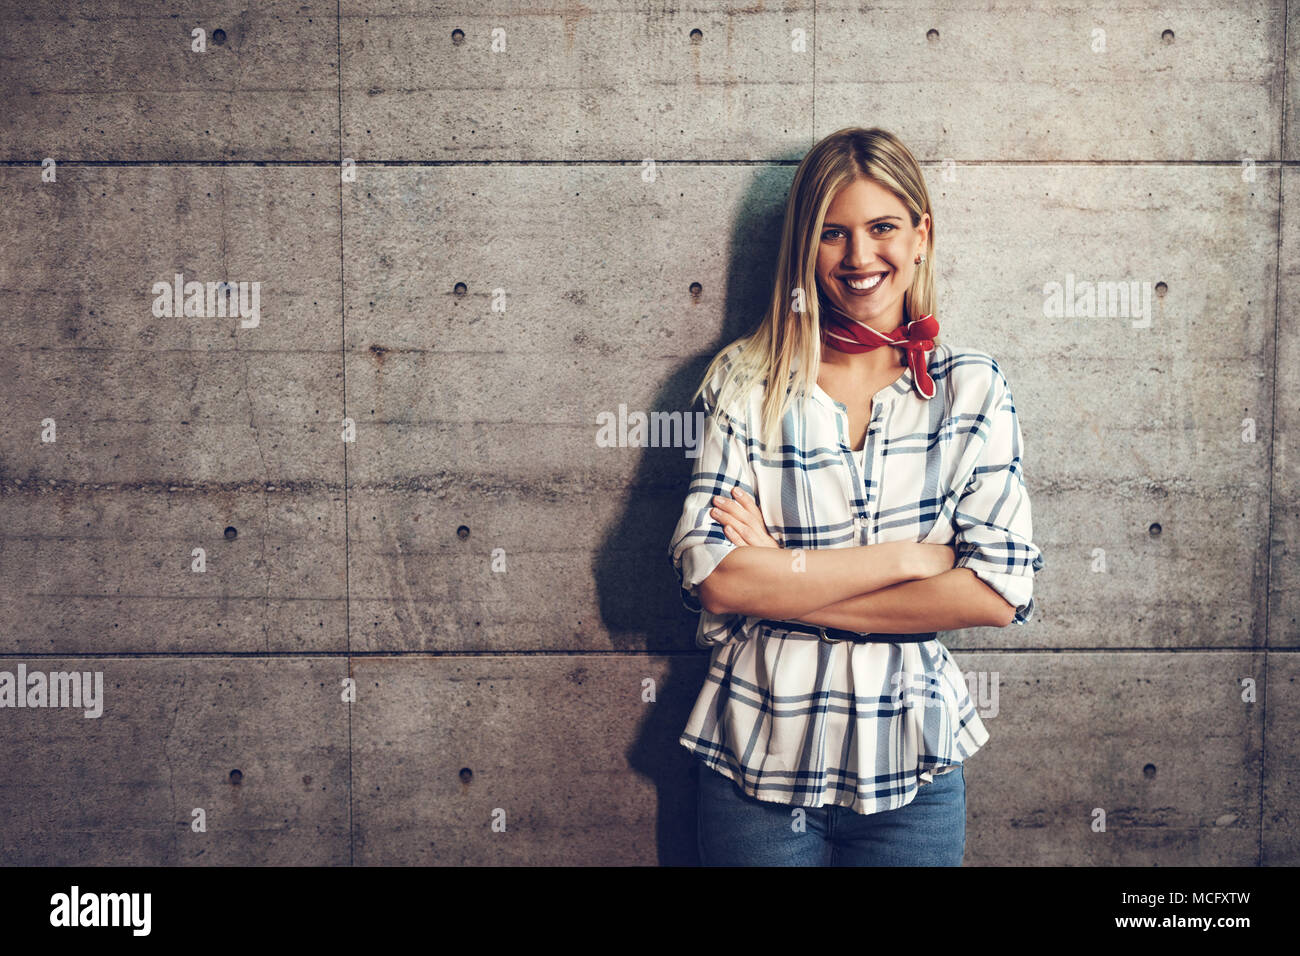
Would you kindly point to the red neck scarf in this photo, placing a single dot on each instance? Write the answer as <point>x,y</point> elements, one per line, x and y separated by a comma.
<point>849,335</point>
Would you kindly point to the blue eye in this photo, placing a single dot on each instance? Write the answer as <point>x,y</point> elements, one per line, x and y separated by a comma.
<point>885,225</point>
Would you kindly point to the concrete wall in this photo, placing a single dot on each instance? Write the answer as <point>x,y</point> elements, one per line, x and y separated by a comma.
<point>1109,143</point>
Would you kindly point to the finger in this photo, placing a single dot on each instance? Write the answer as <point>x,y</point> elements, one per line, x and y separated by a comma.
<point>727,510</point>
<point>731,533</point>
<point>734,523</point>
<point>739,524</point>
<point>747,502</point>
<point>754,519</point>
<point>723,516</point>
<point>746,534</point>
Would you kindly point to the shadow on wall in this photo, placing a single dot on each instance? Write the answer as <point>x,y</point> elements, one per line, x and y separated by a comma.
<point>639,596</point>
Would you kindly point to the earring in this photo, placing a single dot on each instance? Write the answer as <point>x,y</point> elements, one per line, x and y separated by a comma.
<point>918,261</point>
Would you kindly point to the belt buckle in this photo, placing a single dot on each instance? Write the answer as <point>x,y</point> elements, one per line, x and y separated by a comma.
<point>829,640</point>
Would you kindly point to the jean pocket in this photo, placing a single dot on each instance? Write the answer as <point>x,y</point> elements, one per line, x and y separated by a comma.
<point>953,778</point>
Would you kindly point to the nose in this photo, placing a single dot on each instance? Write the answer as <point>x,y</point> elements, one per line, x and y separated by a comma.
<point>859,257</point>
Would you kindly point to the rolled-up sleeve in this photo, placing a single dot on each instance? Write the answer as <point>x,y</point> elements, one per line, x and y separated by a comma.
<point>993,521</point>
<point>699,542</point>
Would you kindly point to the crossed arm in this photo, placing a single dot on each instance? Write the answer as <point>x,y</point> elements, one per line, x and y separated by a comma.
<point>893,587</point>
<point>949,600</point>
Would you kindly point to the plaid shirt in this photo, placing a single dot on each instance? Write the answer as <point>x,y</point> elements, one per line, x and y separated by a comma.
<point>790,717</point>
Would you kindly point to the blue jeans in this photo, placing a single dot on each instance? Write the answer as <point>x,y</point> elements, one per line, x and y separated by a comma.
<point>737,830</point>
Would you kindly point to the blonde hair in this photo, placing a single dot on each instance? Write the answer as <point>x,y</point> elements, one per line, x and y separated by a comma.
<point>788,334</point>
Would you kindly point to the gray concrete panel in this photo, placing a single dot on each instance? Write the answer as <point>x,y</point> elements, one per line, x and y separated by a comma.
<point>496,581</point>
<point>121,789</point>
<point>1162,744</point>
<point>122,80</point>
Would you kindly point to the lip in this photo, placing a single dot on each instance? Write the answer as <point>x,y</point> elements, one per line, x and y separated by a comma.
<point>859,292</point>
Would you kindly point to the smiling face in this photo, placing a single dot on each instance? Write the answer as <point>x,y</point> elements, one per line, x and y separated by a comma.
<point>866,254</point>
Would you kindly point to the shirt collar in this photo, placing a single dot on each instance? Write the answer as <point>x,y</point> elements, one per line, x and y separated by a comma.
<point>886,396</point>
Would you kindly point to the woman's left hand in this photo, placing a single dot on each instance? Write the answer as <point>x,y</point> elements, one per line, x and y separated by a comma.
<point>742,520</point>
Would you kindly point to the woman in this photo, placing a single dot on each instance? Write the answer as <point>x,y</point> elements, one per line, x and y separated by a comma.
<point>833,527</point>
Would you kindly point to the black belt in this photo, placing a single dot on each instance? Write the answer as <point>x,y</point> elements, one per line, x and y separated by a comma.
<point>835,635</point>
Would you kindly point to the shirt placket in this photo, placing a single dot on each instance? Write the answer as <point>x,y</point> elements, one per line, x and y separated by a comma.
<point>874,457</point>
<point>862,523</point>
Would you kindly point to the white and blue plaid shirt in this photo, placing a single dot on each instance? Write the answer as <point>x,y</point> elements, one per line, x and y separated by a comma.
<point>794,719</point>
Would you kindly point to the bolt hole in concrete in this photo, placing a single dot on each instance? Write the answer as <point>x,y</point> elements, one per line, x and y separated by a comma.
<point>462,532</point>
<point>458,36</point>
<point>1161,289</point>
<point>218,37</point>
<point>932,35</point>
<point>1149,770</point>
<point>231,533</point>
<point>697,35</point>
<point>236,778</point>
<point>1154,530</point>
<point>1167,36</point>
<point>696,289</point>
<point>466,775</point>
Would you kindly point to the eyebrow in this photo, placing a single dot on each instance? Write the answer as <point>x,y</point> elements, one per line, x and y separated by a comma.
<point>869,221</point>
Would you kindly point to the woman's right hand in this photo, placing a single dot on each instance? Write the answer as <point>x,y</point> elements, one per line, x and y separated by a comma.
<point>932,559</point>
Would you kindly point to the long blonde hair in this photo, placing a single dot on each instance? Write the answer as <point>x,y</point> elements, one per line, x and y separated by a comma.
<point>790,331</point>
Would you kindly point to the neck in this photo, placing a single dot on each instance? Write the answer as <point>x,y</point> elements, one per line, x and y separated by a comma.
<point>865,364</point>
<point>874,363</point>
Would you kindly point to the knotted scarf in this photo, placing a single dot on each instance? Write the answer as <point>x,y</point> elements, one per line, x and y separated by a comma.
<point>849,335</point>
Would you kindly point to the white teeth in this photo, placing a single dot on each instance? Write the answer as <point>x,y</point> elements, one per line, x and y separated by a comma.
<point>864,284</point>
